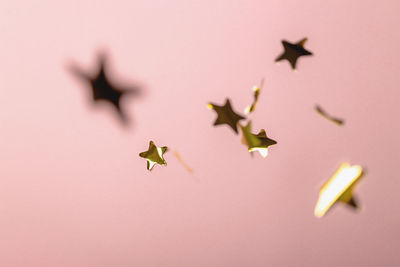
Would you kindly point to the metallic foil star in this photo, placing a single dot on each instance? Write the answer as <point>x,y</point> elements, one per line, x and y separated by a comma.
<point>154,155</point>
<point>293,52</point>
<point>256,142</point>
<point>226,115</point>
<point>103,89</point>
<point>327,116</point>
<point>338,188</point>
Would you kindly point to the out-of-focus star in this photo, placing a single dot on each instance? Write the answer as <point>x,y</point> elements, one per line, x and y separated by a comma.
<point>339,188</point>
<point>226,115</point>
<point>103,89</point>
<point>256,142</point>
<point>154,155</point>
<point>293,52</point>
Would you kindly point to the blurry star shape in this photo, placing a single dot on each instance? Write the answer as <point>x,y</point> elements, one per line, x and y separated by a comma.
<point>226,115</point>
<point>256,142</point>
<point>327,116</point>
<point>154,155</point>
<point>293,52</point>
<point>103,89</point>
<point>256,90</point>
<point>339,188</point>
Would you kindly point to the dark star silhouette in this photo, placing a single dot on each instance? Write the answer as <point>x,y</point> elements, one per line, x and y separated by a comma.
<point>226,115</point>
<point>293,52</point>
<point>105,90</point>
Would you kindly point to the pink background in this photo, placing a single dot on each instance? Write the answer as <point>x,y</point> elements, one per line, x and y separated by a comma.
<point>74,192</point>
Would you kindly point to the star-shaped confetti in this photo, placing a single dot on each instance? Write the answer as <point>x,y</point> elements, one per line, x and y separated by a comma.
<point>293,52</point>
<point>103,89</point>
<point>339,188</point>
<point>256,142</point>
<point>154,155</point>
<point>226,115</point>
<point>327,116</point>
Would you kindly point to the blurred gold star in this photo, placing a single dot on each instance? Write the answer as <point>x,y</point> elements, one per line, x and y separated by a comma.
<point>103,89</point>
<point>154,155</point>
<point>259,142</point>
<point>293,52</point>
<point>226,115</point>
<point>338,188</point>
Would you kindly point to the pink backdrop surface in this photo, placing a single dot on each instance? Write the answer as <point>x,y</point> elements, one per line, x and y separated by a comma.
<point>73,191</point>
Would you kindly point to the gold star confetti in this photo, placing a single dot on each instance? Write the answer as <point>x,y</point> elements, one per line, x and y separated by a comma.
<point>338,188</point>
<point>256,90</point>
<point>293,52</point>
<point>226,115</point>
<point>327,116</point>
<point>154,155</point>
<point>259,142</point>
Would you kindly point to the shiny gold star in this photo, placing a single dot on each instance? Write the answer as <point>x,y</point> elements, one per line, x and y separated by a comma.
<point>293,52</point>
<point>154,155</point>
<point>226,115</point>
<point>338,188</point>
<point>256,142</point>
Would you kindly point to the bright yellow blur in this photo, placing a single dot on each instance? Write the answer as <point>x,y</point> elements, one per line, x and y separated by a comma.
<point>151,164</point>
<point>343,179</point>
